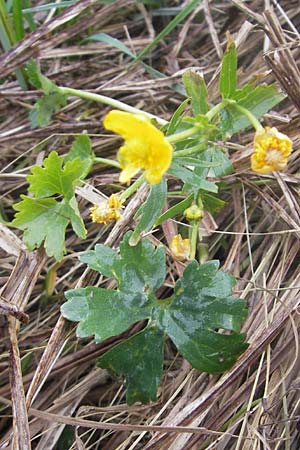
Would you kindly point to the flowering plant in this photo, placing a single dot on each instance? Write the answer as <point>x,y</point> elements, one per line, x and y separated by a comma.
<point>188,148</point>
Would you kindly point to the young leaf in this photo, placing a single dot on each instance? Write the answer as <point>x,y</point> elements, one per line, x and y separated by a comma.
<point>45,107</point>
<point>150,210</point>
<point>175,210</point>
<point>142,367</point>
<point>201,305</point>
<point>53,178</point>
<point>228,76</point>
<point>47,220</point>
<point>82,149</point>
<point>196,89</point>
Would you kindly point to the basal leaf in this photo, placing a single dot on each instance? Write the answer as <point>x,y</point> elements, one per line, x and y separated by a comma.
<point>82,149</point>
<point>196,89</point>
<point>228,77</point>
<point>101,259</point>
<point>150,210</point>
<point>202,305</point>
<point>104,312</point>
<point>54,178</point>
<point>140,360</point>
<point>46,220</point>
<point>139,268</point>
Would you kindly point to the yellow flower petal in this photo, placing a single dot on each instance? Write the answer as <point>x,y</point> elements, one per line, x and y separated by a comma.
<point>180,248</point>
<point>271,151</point>
<point>145,147</point>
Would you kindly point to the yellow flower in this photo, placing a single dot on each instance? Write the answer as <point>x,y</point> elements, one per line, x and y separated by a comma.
<point>108,211</point>
<point>180,248</point>
<point>145,146</point>
<point>271,151</point>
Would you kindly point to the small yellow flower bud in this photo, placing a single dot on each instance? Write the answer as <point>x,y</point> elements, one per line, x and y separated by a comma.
<point>271,151</point>
<point>194,212</point>
<point>180,248</point>
<point>108,211</point>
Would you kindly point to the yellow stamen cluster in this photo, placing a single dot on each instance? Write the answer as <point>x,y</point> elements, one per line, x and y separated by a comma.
<point>108,211</point>
<point>145,147</point>
<point>271,151</point>
<point>180,248</point>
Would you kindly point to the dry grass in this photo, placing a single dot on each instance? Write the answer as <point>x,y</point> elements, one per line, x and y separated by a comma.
<point>256,404</point>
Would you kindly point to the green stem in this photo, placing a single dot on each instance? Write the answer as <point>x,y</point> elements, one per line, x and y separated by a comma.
<point>133,188</point>
<point>194,238</point>
<point>107,162</point>
<point>216,109</point>
<point>182,135</point>
<point>191,150</point>
<point>108,101</point>
<point>252,119</point>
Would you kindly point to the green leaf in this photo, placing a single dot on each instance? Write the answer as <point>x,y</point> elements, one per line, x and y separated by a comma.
<point>202,305</point>
<point>82,149</point>
<point>211,203</point>
<point>140,267</point>
<point>101,259</point>
<point>53,178</point>
<point>191,178</point>
<point>196,89</point>
<point>175,210</point>
<point>228,77</point>
<point>142,367</point>
<point>258,101</point>
<point>176,118</point>
<point>150,210</point>
<point>47,220</point>
<point>45,107</point>
<point>104,312</point>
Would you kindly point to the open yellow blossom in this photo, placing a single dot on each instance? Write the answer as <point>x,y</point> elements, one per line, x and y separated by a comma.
<point>180,248</point>
<point>108,211</point>
<point>271,151</point>
<point>145,146</point>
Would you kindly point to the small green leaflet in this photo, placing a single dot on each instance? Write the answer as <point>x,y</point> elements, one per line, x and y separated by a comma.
<point>258,101</point>
<point>194,317</point>
<point>52,101</point>
<point>55,177</point>
<point>82,149</point>
<point>228,76</point>
<point>46,220</point>
<point>196,89</point>
<point>45,107</point>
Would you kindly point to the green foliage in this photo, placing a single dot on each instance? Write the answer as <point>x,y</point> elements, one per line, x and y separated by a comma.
<point>48,104</point>
<point>228,77</point>
<point>259,100</point>
<point>150,210</point>
<point>194,317</point>
<point>143,366</point>
<point>44,218</point>
<point>196,89</point>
